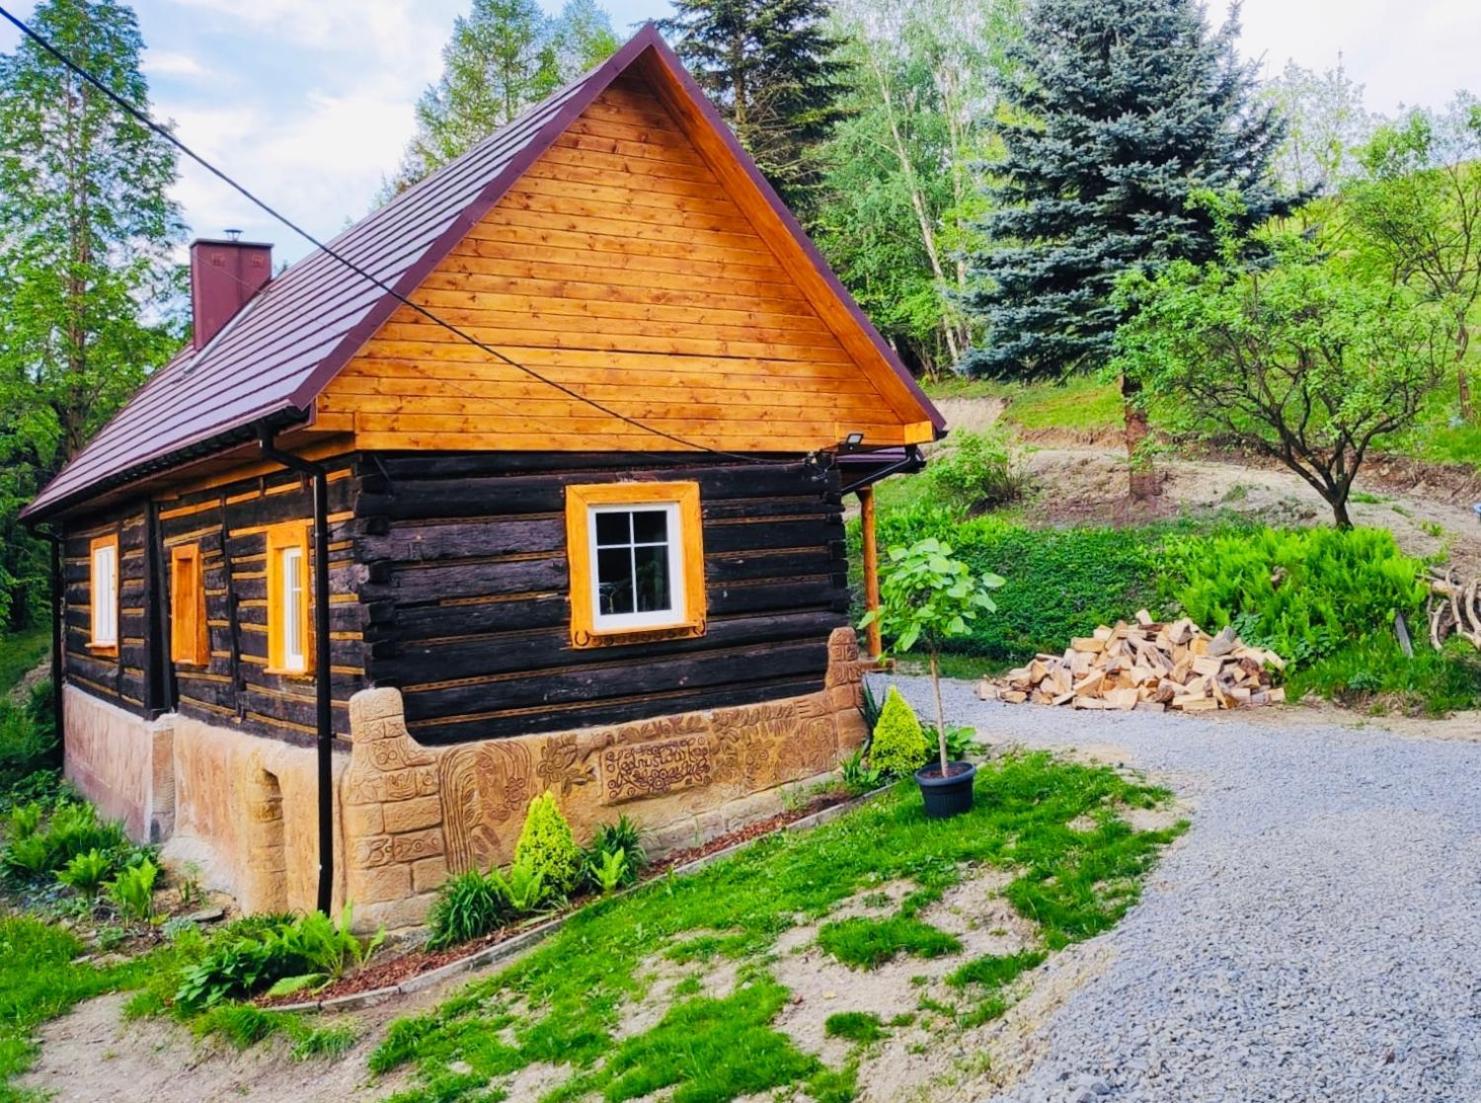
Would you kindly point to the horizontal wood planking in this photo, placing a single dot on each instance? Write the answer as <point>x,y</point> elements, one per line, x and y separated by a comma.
<point>118,674</point>
<point>620,265</point>
<point>470,617</point>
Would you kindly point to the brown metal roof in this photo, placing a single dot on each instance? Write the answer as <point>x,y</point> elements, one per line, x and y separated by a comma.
<point>270,361</point>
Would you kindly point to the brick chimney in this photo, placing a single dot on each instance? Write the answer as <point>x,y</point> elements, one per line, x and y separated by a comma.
<point>223,276</point>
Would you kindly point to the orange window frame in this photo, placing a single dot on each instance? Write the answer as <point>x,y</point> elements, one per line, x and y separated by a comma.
<point>280,538</point>
<point>580,500</point>
<point>105,647</point>
<point>190,641</point>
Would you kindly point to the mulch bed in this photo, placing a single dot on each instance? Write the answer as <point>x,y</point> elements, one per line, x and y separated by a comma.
<point>391,968</point>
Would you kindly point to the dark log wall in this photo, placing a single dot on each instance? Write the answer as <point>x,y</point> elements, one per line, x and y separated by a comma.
<point>122,678</point>
<point>466,591</point>
<point>229,522</point>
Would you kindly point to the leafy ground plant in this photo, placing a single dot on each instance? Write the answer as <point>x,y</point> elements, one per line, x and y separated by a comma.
<point>564,1002</point>
<point>41,978</point>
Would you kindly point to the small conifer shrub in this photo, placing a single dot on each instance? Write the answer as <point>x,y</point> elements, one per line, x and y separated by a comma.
<point>547,847</point>
<point>899,746</point>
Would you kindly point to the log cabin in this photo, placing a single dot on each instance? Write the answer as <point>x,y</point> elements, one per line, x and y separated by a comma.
<point>532,479</point>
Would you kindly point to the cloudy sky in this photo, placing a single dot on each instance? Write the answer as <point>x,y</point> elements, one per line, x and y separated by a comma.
<point>310,104</point>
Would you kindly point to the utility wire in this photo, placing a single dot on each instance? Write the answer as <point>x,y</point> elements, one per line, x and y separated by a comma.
<point>144,118</point>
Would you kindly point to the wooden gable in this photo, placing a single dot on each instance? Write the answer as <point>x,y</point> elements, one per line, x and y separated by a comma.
<point>635,263</point>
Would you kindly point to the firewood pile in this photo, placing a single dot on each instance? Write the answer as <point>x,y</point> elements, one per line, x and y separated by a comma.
<point>1147,665</point>
<point>1454,608</point>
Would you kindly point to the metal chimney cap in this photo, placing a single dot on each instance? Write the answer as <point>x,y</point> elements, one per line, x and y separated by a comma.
<point>233,234</point>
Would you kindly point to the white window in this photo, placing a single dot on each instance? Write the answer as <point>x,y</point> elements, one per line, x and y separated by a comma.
<point>104,596</point>
<point>637,565</point>
<point>294,606</point>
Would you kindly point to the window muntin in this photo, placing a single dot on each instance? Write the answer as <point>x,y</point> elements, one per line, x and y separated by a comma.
<point>103,593</point>
<point>189,642</point>
<point>291,611</point>
<point>288,643</point>
<point>636,558</point>
<point>638,564</point>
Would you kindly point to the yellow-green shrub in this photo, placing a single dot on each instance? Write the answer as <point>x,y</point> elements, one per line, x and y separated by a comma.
<point>899,746</point>
<point>547,847</point>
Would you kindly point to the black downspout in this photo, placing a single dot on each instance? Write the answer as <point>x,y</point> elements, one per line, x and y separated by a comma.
<point>58,592</point>
<point>324,708</point>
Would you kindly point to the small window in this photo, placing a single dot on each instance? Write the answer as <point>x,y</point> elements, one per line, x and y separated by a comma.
<point>103,594</point>
<point>288,598</point>
<point>189,638</point>
<point>636,558</point>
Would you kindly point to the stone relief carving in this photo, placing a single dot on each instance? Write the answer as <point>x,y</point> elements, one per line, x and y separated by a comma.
<point>637,770</point>
<point>563,766</point>
<point>485,788</point>
<point>473,796</point>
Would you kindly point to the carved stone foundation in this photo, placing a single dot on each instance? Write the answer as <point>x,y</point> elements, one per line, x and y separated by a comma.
<point>412,815</point>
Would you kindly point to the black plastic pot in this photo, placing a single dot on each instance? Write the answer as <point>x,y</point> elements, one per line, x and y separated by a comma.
<point>946,796</point>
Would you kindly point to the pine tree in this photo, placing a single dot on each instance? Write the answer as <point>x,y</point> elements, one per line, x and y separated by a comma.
<point>504,55</point>
<point>770,66</point>
<point>1122,110</point>
<point>91,296</point>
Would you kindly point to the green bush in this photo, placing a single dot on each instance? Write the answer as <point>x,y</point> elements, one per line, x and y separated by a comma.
<point>978,471</point>
<point>899,746</point>
<point>468,906</point>
<point>1059,582</point>
<point>1304,593</point>
<point>547,847</point>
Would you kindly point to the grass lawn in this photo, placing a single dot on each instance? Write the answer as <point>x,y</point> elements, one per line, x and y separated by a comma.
<point>39,981</point>
<point>1080,404</point>
<point>1071,869</point>
<point>19,652</point>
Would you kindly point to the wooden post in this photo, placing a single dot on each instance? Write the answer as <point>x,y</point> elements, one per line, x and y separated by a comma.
<point>871,567</point>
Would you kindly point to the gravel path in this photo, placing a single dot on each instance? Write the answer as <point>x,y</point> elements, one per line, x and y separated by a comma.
<point>1315,936</point>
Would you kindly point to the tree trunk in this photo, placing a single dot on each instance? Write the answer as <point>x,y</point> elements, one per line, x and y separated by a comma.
<point>1339,510</point>
<point>1463,384</point>
<point>940,715</point>
<point>1142,476</point>
<point>917,203</point>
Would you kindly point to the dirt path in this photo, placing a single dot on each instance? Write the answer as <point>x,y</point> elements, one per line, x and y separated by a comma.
<point>1089,484</point>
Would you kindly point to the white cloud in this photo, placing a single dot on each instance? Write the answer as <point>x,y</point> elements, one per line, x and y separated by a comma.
<point>168,63</point>
<point>1409,51</point>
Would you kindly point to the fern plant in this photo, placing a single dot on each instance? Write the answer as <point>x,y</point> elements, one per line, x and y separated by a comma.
<point>86,872</point>
<point>526,887</point>
<point>611,871</point>
<point>132,891</point>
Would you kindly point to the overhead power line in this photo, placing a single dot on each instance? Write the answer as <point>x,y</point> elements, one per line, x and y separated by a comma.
<point>164,132</point>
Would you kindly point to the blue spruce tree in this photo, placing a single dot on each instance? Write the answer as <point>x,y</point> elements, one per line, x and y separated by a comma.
<point>1120,110</point>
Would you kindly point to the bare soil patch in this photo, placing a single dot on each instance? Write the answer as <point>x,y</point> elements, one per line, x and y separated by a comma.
<point>1088,485</point>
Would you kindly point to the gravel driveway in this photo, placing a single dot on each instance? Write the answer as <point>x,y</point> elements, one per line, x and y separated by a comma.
<point>1315,936</point>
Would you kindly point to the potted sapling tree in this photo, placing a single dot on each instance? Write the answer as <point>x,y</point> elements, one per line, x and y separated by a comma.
<point>927,598</point>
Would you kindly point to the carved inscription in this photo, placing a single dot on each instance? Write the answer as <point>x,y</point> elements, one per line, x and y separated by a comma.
<point>652,769</point>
